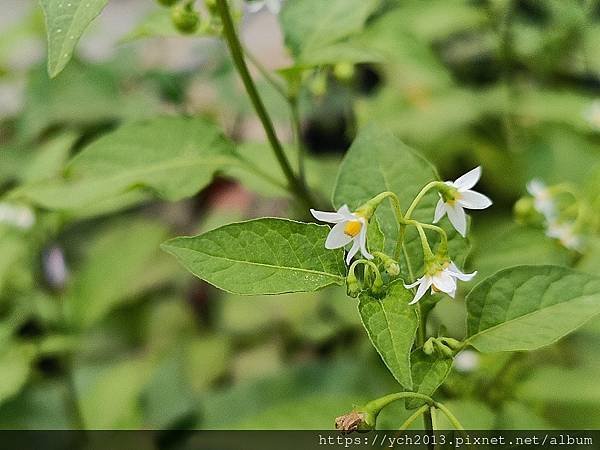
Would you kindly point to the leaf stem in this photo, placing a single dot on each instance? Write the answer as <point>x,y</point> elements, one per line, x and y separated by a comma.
<point>297,187</point>
<point>420,196</point>
<point>414,416</point>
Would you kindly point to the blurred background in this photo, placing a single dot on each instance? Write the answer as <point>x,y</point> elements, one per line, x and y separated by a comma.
<point>506,84</point>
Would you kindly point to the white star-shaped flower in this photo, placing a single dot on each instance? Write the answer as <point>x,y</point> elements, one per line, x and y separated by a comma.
<point>565,233</point>
<point>273,6</point>
<point>542,198</point>
<point>461,197</point>
<point>349,227</point>
<point>440,278</point>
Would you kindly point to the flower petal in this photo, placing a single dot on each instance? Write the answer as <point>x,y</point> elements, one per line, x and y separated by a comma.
<point>440,211</point>
<point>353,251</point>
<point>336,237</point>
<point>362,240</point>
<point>458,219</point>
<point>474,200</point>
<point>468,180</point>
<point>345,212</point>
<point>330,217</point>
<point>456,273</point>
<point>410,286</point>
<point>424,284</point>
<point>255,6</point>
<point>444,282</point>
<point>536,187</point>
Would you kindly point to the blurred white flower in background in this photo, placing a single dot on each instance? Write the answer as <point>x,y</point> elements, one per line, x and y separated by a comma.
<point>542,198</point>
<point>17,216</point>
<point>273,6</point>
<point>466,361</point>
<point>55,267</point>
<point>565,233</point>
<point>592,115</point>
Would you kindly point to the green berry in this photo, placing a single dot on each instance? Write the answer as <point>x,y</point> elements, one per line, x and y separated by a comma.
<point>185,19</point>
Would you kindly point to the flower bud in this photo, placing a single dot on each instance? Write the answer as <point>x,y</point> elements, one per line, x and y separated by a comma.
<point>352,285</point>
<point>451,342</point>
<point>185,19</point>
<point>525,212</point>
<point>343,71</point>
<point>447,352</point>
<point>428,347</point>
<point>318,85</point>
<point>211,5</point>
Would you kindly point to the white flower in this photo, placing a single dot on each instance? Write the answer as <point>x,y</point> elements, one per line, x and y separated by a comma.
<point>348,227</point>
<point>542,198</point>
<point>274,6</point>
<point>592,114</point>
<point>565,233</point>
<point>439,279</point>
<point>466,361</point>
<point>17,216</point>
<point>461,197</point>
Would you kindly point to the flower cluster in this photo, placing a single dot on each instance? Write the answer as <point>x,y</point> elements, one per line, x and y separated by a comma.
<point>544,202</point>
<point>440,272</point>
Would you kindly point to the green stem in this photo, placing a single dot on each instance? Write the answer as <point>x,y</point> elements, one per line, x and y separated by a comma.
<point>420,196</point>
<point>297,130</point>
<point>266,74</point>
<point>235,48</point>
<point>248,165</point>
<point>414,416</point>
<point>451,417</point>
<point>427,253</point>
<point>443,236</point>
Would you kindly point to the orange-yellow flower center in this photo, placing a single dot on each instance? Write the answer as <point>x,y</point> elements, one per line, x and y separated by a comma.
<point>352,228</point>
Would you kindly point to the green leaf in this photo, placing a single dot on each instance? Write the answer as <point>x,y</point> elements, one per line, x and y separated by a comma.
<point>15,365</point>
<point>49,160</point>
<point>262,256</point>
<point>527,307</point>
<point>115,268</point>
<point>428,374</point>
<point>173,157</point>
<point>391,324</point>
<point>330,22</point>
<point>66,20</point>
<point>378,161</point>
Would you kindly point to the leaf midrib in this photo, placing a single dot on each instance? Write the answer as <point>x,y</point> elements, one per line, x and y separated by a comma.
<point>517,319</point>
<point>292,269</point>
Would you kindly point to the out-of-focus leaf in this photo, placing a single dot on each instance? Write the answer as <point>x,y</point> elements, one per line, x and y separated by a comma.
<point>207,358</point>
<point>49,160</point>
<point>526,307</point>
<point>332,21</point>
<point>15,366</point>
<point>13,248</point>
<point>115,269</point>
<point>173,157</point>
<point>65,23</point>
<point>517,416</point>
<point>428,374</point>
<point>391,324</point>
<point>109,396</point>
<point>262,256</point>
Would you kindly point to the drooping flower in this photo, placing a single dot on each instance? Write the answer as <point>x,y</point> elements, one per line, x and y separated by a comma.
<point>440,278</point>
<point>565,233</point>
<point>542,198</point>
<point>592,114</point>
<point>459,197</point>
<point>17,216</point>
<point>349,227</point>
<point>273,6</point>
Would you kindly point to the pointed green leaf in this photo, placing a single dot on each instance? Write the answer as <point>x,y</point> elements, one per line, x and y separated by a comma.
<point>378,161</point>
<point>66,20</point>
<point>391,324</point>
<point>428,373</point>
<point>262,256</point>
<point>174,157</point>
<point>526,307</point>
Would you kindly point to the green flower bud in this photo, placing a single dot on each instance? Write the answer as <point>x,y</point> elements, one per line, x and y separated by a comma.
<point>211,5</point>
<point>451,342</point>
<point>428,347</point>
<point>352,285</point>
<point>343,71</point>
<point>447,352</point>
<point>185,19</point>
<point>167,2</point>
<point>525,212</point>
<point>318,85</point>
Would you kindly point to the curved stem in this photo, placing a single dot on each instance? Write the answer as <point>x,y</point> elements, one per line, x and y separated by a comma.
<point>235,48</point>
<point>414,416</point>
<point>451,417</point>
<point>420,196</point>
<point>428,254</point>
<point>439,230</point>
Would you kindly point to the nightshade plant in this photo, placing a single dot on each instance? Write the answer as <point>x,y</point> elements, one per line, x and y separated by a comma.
<point>394,235</point>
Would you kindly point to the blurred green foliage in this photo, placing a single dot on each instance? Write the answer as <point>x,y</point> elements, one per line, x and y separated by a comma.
<point>120,337</point>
